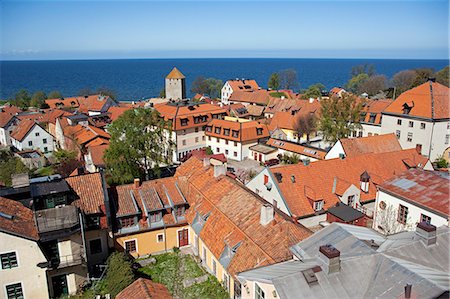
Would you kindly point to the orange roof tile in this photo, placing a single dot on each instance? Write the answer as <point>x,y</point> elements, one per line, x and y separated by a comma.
<point>63,102</point>
<point>246,131</point>
<point>175,74</point>
<point>143,288</point>
<point>371,144</point>
<point>297,148</point>
<point>428,189</point>
<point>174,112</point>
<point>315,181</point>
<point>372,109</point>
<point>22,129</point>
<point>22,222</point>
<point>288,119</point>
<point>89,191</point>
<point>234,219</point>
<point>97,152</point>
<point>5,118</point>
<point>116,112</point>
<point>260,97</point>
<point>244,85</point>
<point>419,99</point>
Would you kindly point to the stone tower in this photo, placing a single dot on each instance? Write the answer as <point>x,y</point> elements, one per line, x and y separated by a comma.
<point>175,85</point>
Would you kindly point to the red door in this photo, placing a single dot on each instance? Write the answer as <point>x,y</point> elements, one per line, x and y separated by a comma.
<point>183,237</point>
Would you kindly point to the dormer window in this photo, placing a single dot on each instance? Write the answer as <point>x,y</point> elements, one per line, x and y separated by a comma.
<point>259,131</point>
<point>226,132</point>
<point>363,116</point>
<point>208,129</point>
<point>372,117</point>
<point>215,116</point>
<point>126,222</point>
<point>217,130</point>
<point>179,211</point>
<point>235,134</point>
<point>407,107</point>
<point>155,216</point>
<point>318,205</point>
<point>184,121</point>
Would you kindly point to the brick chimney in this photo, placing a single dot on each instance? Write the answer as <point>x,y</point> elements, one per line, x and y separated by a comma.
<point>137,183</point>
<point>331,258</point>
<point>267,214</point>
<point>427,232</point>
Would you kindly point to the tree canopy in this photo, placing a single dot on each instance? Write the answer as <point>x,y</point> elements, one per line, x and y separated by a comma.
<point>55,95</point>
<point>339,116</point>
<point>305,125</point>
<point>9,166</point>
<point>210,86</point>
<point>139,144</point>
<point>38,99</point>
<point>288,79</point>
<point>274,81</point>
<point>314,91</point>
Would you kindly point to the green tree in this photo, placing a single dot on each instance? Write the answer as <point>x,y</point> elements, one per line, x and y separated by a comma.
<point>85,92</point>
<point>9,166</point>
<point>210,86</point>
<point>106,92</point>
<point>288,79</point>
<point>306,124</point>
<point>140,143</point>
<point>422,76</point>
<point>339,116</point>
<point>355,82</point>
<point>314,91</point>
<point>38,99</point>
<point>22,99</point>
<point>442,76</point>
<point>274,81</point>
<point>54,95</point>
<point>441,162</point>
<point>119,274</point>
<point>67,162</point>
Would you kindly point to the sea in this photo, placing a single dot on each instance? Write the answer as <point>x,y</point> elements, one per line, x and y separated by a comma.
<point>136,79</point>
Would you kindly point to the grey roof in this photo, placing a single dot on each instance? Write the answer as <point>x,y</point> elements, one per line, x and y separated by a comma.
<point>47,188</point>
<point>262,148</point>
<point>369,269</point>
<point>346,213</point>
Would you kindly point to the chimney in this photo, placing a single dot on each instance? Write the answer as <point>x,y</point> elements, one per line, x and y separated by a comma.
<point>205,162</point>
<point>267,214</point>
<point>219,170</point>
<point>311,100</point>
<point>419,148</point>
<point>137,183</point>
<point>364,181</point>
<point>427,232</point>
<point>306,162</point>
<point>334,185</point>
<point>331,258</point>
<point>408,290</point>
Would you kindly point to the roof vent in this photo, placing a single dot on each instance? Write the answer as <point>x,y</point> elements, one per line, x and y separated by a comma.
<point>310,276</point>
<point>267,214</point>
<point>7,216</point>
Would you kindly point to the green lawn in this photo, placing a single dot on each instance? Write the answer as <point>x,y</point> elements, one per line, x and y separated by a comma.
<point>171,269</point>
<point>45,171</point>
<point>278,94</point>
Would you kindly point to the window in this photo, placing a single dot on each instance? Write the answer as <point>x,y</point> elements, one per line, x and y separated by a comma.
<point>196,129</point>
<point>225,282</point>
<point>217,140</point>
<point>226,141</point>
<point>354,133</point>
<point>209,138</point>
<point>411,124</point>
<point>235,143</point>
<point>155,217</point>
<point>203,138</point>
<point>410,135</point>
<point>318,205</point>
<point>235,134</point>
<point>214,267</point>
<point>196,139</point>
<point>266,179</point>
<point>36,134</point>
<point>184,121</point>
<point>179,211</point>
<point>237,289</point>
<point>217,149</point>
<point>160,238</point>
<point>397,133</point>
<point>259,293</point>
<point>95,246</point>
<point>93,222</point>
<point>402,214</point>
<point>9,260</point>
<point>447,137</point>
<point>422,126</point>
<point>30,143</point>
<point>259,131</point>
<point>217,130</point>
<point>226,132</point>
<point>235,154</point>
<point>125,222</point>
<point>44,141</point>
<point>425,218</point>
<point>183,142</point>
<point>208,129</point>
<point>204,254</point>
<point>14,291</point>
<point>350,200</point>
<point>360,134</point>
<point>372,117</point>
<point>45,149</point>
<point>130,246</point>
<point>226,152</point>
<point>399,122</point>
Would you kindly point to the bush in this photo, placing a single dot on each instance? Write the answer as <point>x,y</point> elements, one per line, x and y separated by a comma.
<point>119,274</point>
<point>441,162</point>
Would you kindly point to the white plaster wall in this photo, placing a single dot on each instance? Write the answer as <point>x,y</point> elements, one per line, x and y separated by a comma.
<point>313,220</point>
<point>265,157</point>
<point>248,290</point>
<point>335,151</point>
<point>174,89</point>
<point>219,146</point>
<point>414,213</point>
<point>226,93</point>
<point>33,278</point>
<point>189,136</point>
<point>38,141</point>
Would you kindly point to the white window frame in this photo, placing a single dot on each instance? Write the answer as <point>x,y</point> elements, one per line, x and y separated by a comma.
<point>17,259</point>
<point>163,238</point>
<point>130,240</point>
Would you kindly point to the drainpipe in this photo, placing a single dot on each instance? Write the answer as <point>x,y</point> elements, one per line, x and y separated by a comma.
<point>83,240</point>
<point>165,238</point>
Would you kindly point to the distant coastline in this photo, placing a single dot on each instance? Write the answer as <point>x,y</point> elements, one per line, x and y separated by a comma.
<point>137,78</point>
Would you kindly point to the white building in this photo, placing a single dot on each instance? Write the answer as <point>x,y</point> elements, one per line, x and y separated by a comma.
<point>7,124</point>
<point>237,85</point>
<point>30,135</point>
<point>20,275</point>
<point>175,85</point>
<point>370,118</point>
<point>410,198</point>
<point>234,137</point>
<point>420,118</point>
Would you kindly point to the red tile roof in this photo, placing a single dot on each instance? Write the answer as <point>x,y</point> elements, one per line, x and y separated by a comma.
<point>427,189</point>
<point>97,152</point>
<point>244,85</point>
<point>297,148</point>
<point>419,99</point>
<point>315,181</point>
<point>259,97</point>
<point>63,102</point>
<point>246,131</point>
<point>374,108</point>
<point>22,223</point>
<point>285,119</point>
<point>143,288</point>
<point>89,191</point>
<point>234,218</point>
<point>22,129</point>
<point>174,113</point>
<point>5,118</point>
<point>371,144</point>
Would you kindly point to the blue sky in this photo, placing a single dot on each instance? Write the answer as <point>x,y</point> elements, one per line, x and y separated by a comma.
<point>169,29</point>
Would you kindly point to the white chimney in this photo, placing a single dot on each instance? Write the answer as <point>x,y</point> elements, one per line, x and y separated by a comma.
<point>267,214</point>
<point>311,100</point>
<point>219,170</point>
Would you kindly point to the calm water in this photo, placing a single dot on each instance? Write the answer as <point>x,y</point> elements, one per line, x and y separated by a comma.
<point>134,79</point>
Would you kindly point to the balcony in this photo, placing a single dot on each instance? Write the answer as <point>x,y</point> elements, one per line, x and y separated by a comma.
<point>76,258</point>
<point>62,219</point>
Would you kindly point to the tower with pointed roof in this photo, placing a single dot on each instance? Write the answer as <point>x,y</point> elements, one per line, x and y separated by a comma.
<point>175,85</point>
